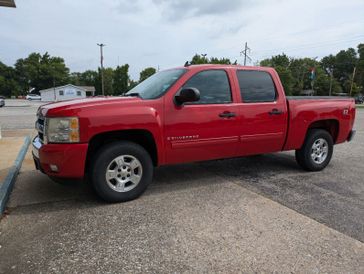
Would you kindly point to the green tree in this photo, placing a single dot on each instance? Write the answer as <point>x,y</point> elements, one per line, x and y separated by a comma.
<point>295,74</point>
<point>222,61</point>
<point>27,71</point>
<point>132,84</point>
<point>359,78</point>
<point>40,72</point>
<point>89,78</point>
<point>345,61</point>
<point>328,63</point>
<point>342,66</point>
<point>8,84</point>
<point>299,71</point>
<point>121,79</point>
<point>281,60</point>
<point>86,78</point>
<point>286,78</point>
<point>281,64</point>
<point>199,60</point>
<point>146,73</point>
<point>75,78</point>
<point>108,80</point>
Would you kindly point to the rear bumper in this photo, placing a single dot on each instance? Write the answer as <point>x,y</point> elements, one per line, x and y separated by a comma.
<point>69,159</point>
<point>351,135</point>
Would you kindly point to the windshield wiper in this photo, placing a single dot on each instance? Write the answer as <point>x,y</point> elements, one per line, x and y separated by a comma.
<point>133,94</point>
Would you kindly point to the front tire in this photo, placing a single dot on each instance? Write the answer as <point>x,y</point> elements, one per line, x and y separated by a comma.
<point>121,171</point>
<point>316,152</point>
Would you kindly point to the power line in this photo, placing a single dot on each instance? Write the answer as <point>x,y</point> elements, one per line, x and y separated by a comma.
<point>302,46</point>
<point>275,36</point>
<point>313,45</point>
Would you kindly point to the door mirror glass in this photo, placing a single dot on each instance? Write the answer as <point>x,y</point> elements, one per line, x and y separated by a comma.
<point>186,95</point>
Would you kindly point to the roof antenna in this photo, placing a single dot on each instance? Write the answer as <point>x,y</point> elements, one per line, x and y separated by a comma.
<point>187,64</point>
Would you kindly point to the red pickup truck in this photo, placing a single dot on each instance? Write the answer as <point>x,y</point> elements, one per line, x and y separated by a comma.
<point>186,114</point>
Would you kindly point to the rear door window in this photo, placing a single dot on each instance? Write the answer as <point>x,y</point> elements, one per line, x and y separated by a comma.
<point>256,86</point>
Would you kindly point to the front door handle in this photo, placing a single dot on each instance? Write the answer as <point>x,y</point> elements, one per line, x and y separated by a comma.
<point>227,114</point>
<point>275,112</point>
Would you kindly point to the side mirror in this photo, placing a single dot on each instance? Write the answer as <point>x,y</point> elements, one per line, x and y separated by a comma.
<point>186,95</point>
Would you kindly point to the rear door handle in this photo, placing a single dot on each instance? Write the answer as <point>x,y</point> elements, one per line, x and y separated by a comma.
<point>227,114</point>
<point>275,112</point>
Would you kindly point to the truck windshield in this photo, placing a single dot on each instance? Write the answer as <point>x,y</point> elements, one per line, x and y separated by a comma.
<point>156,85</point>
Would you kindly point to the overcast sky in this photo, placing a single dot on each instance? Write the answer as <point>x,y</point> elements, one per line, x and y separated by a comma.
<point>166,33</point>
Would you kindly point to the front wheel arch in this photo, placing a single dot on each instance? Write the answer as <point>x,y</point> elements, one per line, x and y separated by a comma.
<point>141,137</point>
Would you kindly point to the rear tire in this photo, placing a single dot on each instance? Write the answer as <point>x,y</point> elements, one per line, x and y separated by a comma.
<point>121,171</point>
<point>316,152</point>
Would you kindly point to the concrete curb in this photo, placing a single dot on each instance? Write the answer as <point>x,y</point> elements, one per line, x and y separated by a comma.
<point>7,186</point>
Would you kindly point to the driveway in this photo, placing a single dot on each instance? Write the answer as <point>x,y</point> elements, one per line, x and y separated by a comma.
<point>18,114</point>
<point>254,214</point>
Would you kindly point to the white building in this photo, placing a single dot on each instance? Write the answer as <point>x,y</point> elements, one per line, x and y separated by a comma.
<point>66,92</point>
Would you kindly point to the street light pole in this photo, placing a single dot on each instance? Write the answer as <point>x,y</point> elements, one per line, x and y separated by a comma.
<point>102,67</point>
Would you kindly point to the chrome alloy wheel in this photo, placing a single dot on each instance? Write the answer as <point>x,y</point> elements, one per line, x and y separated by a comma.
<point>319,151</point>
<point>124,173</point>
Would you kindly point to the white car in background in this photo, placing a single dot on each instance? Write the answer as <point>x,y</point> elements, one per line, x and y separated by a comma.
<point>2,101</point>
<point>31,97</point>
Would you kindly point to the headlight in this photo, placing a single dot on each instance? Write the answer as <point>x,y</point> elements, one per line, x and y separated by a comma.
<point>62,130</point>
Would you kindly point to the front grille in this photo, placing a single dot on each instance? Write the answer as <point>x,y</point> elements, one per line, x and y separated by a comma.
<point>41,137</point>
<point>40,126</point>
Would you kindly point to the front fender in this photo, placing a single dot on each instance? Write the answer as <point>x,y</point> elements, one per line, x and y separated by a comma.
<point>133,118</point>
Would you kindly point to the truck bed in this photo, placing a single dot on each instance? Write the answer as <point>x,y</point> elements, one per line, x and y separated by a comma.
<point>305,112</point>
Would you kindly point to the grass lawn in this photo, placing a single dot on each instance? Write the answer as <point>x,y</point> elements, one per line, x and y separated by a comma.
<point>359,106</point>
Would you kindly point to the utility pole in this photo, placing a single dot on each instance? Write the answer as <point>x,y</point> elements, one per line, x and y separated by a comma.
<point>102,67</point>
<point>352,80</point>
<point>331,76</point>
<point>54,89</point>
<point>54,84</point>
<point>245,53</point>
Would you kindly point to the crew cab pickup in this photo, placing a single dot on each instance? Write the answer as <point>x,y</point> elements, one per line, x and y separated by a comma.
<point>186,114</point>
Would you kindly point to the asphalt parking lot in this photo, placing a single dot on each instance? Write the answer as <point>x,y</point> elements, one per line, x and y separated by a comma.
<point>253,214</point>
<point>18,114</point>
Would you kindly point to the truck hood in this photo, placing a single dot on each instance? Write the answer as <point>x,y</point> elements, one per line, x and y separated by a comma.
<point>56,108</point>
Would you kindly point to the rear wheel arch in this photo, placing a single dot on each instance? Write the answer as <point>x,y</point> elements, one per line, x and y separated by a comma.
<point>330,125</point>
